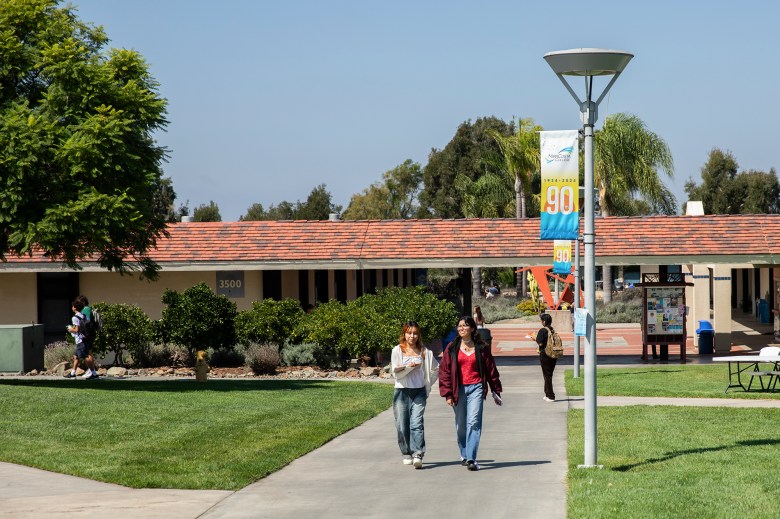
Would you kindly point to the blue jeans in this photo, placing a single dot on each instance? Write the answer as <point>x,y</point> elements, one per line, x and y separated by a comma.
<point>408,409</point>
<point>468,420</point>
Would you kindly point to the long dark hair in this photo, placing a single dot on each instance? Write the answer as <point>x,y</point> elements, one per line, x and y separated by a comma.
<point>473,325</point>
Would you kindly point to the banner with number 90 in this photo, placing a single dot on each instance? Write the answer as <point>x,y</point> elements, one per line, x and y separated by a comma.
<point>560,185</point>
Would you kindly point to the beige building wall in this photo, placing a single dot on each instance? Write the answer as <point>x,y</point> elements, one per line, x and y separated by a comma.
<point>112,288</point>
<point>19,298</point>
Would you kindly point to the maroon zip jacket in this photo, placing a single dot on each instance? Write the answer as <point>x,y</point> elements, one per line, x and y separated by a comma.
<point>449,372</point>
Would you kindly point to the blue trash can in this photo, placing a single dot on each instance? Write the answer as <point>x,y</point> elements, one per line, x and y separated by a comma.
<point>763,311</point>
<point>706,335</point>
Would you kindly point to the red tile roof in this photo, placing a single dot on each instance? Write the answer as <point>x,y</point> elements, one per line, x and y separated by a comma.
<point>467,242</point>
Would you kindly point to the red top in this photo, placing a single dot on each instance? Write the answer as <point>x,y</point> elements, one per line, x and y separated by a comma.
<point>469,373</point>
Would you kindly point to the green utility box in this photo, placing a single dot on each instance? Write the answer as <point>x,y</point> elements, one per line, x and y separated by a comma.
<point>21,347</point>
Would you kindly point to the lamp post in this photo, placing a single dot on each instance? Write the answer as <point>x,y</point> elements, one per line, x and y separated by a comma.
<point>588,63</point>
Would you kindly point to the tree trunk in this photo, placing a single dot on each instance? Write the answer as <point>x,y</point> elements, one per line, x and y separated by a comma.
<point>606,271</point>
<point>521,283</point>
<point>476,285</point>
<point>606,276</point>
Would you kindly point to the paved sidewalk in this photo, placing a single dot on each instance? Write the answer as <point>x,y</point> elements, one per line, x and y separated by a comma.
<point>358,474</point>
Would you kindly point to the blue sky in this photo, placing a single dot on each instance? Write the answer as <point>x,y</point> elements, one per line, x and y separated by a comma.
<point>270,98</point>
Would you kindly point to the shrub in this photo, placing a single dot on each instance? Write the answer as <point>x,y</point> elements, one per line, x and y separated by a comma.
<point>198,319</point>
<point>324,327</point>
<point>263,359</point>
<point>299,354</point>
<point>527,307</point>
<point>158,355</point>
<point>269,321</point>
<point>227,358</point>
<point>125,328</point>
<point>57,352</point>
<point>498,308</point>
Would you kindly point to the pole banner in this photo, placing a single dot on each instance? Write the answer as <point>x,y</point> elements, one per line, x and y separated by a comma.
<point>562,257</point>
<point>560,185</point>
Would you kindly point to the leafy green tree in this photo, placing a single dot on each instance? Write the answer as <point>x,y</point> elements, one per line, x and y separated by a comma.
<point>207,213</point>
<point>76,142</point>
<point>254,213</point>
<point>627,160</point>
<point>394,198</point>
<point>725,190</point>
<point>759,192</point>
<point>125,328</point>
<point>198,319</point>
<point>269,321</point>
<point>318,206</point>
<point>164,198</point>
<point>470,153</point>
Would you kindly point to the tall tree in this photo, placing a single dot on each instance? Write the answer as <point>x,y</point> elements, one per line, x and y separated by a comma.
<point>163,200</point>
<point>724,190</point>
<point>394,198</point>
<point>76,146</point>
<point>627,161</point>
<point>469,153</point>
<point>207,213</point>
<point>318,206</point>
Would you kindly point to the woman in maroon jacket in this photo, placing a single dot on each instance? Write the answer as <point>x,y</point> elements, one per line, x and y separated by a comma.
<point>467,369</point>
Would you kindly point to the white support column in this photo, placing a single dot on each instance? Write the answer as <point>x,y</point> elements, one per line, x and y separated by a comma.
<point>700,302</point>
<point>721,297</point>
<point>691,324</point>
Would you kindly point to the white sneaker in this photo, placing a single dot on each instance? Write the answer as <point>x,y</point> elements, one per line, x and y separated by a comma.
<point>406,459</point>
<point>417,462</point>
<point>87,375</point>
<point>548,399</point>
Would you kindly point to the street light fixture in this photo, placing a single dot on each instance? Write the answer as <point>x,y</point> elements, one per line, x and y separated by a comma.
<point>588,63</point>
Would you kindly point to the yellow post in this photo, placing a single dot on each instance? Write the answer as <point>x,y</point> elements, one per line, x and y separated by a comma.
<point>201,367</point>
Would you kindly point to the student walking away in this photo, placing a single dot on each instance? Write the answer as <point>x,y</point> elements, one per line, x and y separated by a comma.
<point>478,317</point>
<point>76,329</point>
<point>415,370</point>
<point>89,330</point>
<point>548,354</point>
<point>466,372</point>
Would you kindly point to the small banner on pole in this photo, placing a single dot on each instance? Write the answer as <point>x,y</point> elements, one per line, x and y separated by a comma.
<point>580,322</point>
<point>560,185</point>
<point>562,257</point>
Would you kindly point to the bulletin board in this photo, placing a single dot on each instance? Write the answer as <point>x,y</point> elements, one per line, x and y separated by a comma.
<point>664,311</point>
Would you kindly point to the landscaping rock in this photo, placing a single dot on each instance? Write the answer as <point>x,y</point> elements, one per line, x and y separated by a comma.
<point>116,371</point>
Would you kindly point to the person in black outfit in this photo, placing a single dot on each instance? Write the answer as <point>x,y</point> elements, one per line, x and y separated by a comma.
<point>548,364</point>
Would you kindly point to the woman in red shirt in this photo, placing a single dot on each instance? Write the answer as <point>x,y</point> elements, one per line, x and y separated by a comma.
<point>466,371</point>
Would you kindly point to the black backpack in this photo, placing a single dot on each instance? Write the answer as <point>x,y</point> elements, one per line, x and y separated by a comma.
<point>91,326</point>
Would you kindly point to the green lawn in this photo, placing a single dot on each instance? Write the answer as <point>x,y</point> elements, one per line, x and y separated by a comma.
<point>672,462</point>
<point>177,434</point>
<point>695,381</point>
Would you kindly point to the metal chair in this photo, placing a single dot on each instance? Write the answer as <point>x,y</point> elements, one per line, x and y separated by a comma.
<point>771,375</point>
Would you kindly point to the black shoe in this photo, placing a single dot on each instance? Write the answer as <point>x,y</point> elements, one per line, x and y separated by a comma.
<point>472,465</point>
<point>463,462</point>
<point>70,375</point>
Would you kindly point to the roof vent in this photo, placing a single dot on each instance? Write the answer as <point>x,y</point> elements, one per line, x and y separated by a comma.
<point>186,219</point>
<point>334,217</point>
<point>694,208</point>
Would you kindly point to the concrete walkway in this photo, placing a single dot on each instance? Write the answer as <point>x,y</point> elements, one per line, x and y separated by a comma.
<point>358,474</point>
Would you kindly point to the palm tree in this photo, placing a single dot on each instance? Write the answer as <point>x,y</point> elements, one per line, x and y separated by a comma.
<point>520,153</point>
<point>627,160</point>
<point>489,196</point>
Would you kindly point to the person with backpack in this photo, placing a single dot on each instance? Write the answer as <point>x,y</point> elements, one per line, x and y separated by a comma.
<point>76,329</point>
<point>550,349</point>
<point>90,329</point>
